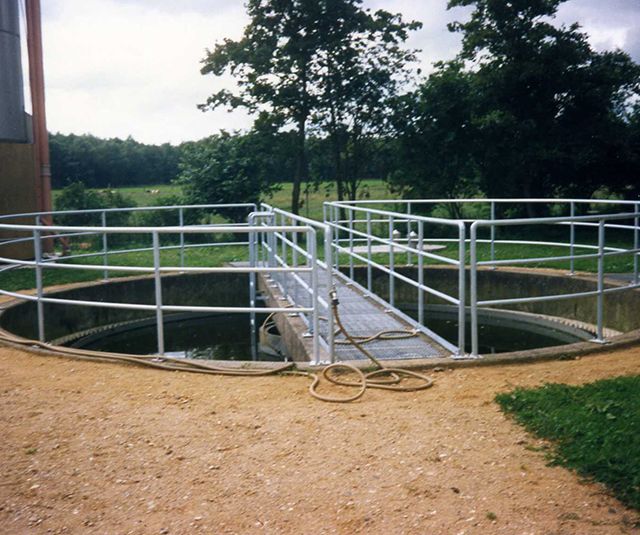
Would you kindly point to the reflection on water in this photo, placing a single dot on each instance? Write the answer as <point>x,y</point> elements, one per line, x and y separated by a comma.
<point>497,335</point>
<point>219,337</point>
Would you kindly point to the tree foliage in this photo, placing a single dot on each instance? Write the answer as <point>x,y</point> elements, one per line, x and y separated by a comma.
<point>528,109</point>
<point>325,61</point>
<point>228,168</point>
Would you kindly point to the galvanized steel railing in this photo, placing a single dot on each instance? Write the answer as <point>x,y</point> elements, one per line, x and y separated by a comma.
<point>39,233</point>
<point>348,218</point>
<point>350,230</point>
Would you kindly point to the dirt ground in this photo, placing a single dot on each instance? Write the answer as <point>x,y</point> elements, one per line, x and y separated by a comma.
<point>107,448</point>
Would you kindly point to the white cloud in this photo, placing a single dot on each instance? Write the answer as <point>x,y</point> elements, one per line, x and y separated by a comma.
<point>118,69</point>
<point>131,67</point>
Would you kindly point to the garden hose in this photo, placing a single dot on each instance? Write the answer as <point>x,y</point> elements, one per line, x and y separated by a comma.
<point>382,378</point>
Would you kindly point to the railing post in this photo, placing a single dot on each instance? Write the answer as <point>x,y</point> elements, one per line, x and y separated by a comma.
<point>600,304</point>
<point>158,293</point>
<point>37,253</point>
<point>335,214</point>
<point>636,242</point>
<point>462,313</point>
<point>105,246</point>
<point>572,239</point>
<point>285,259</point>
<point>181,223</point>
<point>493,233</point>
<point>392,279</point>
<point>271,241</point>
<point>294,259</point>
<point>369,270</point>
<point>473,296</point>
<point>350,243</point>
<point>420,273</point>
<point>252,287</point>
<point>328,238</point>
<point>409,232</point>
<point>315,324</point>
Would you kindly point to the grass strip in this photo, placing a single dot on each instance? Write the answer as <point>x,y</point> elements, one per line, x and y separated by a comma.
<point>594,429</point>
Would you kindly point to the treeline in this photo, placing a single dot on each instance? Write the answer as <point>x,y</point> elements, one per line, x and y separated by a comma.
<point>264,151</point>
<point>101,163</point>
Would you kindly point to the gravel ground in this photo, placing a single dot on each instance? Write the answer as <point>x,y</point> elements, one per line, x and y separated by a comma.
<point>107,448</point>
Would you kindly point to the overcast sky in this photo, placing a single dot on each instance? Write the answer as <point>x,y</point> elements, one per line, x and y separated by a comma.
<point>115,68</point>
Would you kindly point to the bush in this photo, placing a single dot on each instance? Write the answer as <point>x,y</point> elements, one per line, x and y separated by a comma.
<point>76,196</point>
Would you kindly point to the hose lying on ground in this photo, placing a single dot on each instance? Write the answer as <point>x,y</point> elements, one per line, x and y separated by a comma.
<point>382,378</point>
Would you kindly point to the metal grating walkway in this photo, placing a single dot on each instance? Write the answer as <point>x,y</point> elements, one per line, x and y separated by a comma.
<point>363,315</point>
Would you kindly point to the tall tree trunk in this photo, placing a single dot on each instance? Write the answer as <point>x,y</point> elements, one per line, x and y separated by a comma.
<point>302,166</point>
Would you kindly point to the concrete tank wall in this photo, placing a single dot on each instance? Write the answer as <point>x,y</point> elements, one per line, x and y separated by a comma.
<point>219,289</point>
<point>621,309</point>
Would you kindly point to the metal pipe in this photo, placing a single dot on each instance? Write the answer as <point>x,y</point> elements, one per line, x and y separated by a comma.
<point>181,223</point>
<point>636,242</point>
<point>392,288</point>
<point>105,247</point>
<point>351,244</point>
<point>158,293</point>
<point>369,272</point>
<point>600,302</point>
<point>420,274</point>
<point>493,232</point>
<point>461,290</point>
<point>474,291</point>
<point>315,324</point>
<point>36,79</point>
<point>37,249</point>
<point>572,239</point>
<point>328,238</point>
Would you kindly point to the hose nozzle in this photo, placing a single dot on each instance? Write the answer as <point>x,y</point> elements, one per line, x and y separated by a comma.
<point>334,297</point>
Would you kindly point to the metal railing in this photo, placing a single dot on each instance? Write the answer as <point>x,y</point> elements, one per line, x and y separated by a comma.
<point>282,249</point>
<point>396,227</point>
<point>302,256</point>
<point>274,266</point>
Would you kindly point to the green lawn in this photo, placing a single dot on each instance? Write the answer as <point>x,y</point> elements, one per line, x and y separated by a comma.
<point>594,429</point>
<point>24,278</point>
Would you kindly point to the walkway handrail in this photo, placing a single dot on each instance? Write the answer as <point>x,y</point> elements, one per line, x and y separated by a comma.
<point>415,247</point>
<point>326,232</point>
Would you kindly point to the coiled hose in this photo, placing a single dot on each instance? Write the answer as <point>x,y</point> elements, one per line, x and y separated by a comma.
<point>383,378</point>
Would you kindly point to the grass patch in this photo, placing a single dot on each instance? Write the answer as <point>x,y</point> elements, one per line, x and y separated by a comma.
<point>594,429</point>
<point>24,278</point>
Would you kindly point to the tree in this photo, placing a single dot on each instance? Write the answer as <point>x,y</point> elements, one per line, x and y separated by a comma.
<point>436,136</point>
<point>329,60</point>
<point>362,65</point>
<point>225,168</point>
<point>549,107</point>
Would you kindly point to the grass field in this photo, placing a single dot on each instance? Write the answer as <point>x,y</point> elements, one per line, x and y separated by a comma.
<point>312,207</point>
<point>594,429</point>
<point>374,189</point>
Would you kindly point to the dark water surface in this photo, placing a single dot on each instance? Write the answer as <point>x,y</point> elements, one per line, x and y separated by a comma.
<point>219,337</point>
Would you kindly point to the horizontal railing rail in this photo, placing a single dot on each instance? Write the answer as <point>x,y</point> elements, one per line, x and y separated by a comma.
<point>301,256</point>
<point>344,242</point>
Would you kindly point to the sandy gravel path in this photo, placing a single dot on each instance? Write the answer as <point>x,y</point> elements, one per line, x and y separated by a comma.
<point>105,448</point>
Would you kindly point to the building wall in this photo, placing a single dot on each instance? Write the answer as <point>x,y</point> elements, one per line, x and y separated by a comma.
<point>17,192</point>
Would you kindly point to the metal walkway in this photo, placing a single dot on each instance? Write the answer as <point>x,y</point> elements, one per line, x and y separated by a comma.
<point>364,314</point>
